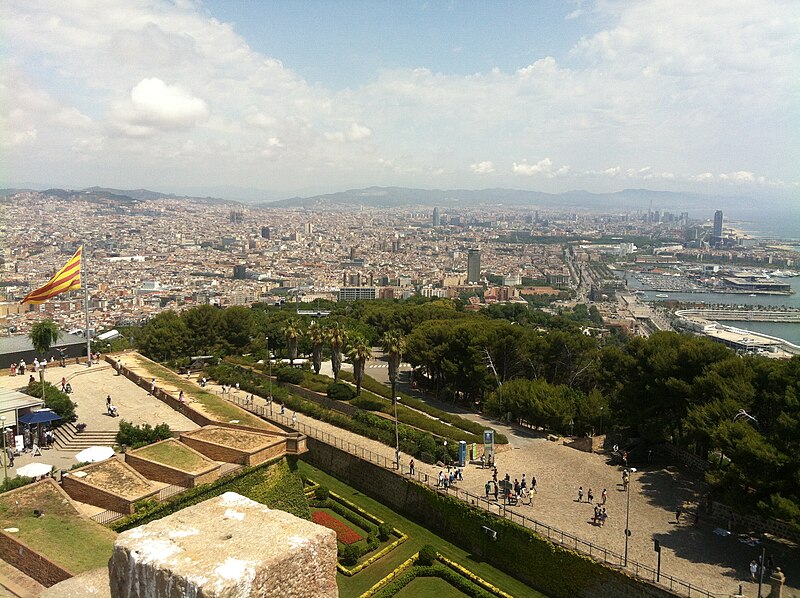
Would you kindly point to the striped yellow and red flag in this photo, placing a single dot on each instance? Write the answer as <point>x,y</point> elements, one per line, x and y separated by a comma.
<point>66,279</point>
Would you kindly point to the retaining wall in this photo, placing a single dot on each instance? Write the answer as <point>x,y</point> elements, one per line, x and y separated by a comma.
<point>30,562</point>
<point>552,569</point>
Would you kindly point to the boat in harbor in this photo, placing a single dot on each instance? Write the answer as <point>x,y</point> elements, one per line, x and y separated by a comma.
<point>662,296</point>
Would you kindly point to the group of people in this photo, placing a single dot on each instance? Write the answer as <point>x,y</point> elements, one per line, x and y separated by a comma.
<point>447,479</point>
<point>600,514</point>
<point>519,489</point>
<point>20,368</point>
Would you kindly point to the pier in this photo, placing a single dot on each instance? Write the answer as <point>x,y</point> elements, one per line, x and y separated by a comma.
<point>741,315</point>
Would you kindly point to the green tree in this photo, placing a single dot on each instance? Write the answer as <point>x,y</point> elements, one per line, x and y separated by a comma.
<point>164,337</point>
<point>394,344</point>
<point>358,353</point>
<point>44,335</point>
<point>316,334</point>
<point>292,330</point>
<point>337,338</point>
<point>203,328</point>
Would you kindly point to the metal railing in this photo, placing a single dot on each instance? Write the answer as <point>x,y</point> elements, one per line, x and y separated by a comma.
<point>106,517</point>
<point>598,553</point>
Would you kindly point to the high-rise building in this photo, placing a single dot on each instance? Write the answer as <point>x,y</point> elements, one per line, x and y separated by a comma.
<point>474,265</point>
<point>435,216</point>
<point>240,272</point>
<point>717,234</point>
<point>265,232</point>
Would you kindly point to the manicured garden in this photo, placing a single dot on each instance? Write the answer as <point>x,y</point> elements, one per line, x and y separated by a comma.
<point>417,536</point>
<point>416,431</point>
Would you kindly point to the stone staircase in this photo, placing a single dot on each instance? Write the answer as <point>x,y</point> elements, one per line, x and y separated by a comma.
<point>68,438</point>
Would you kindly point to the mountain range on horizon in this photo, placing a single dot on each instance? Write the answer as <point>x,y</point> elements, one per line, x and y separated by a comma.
<point>393,197</point>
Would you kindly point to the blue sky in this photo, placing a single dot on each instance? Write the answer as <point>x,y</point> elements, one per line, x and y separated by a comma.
<point>304,97</point>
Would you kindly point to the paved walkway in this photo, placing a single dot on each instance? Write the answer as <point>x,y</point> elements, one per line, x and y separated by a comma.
<point>693,553</point>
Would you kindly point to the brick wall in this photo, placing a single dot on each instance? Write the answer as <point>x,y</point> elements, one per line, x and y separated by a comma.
<point>216,452</point>
<point>83,492</point>
<point>30,562</point>
<point>273,450</point>
<point>170,475</point>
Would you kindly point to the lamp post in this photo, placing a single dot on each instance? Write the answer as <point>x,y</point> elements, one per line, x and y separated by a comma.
<point>601,421</point>
<point>5,456</point>
<point>446,454</point>
<point>269,360</point>
<point>396,434</point>
<point>628,518</point>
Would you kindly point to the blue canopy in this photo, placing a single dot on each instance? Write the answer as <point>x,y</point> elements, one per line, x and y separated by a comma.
<point>43,416</point>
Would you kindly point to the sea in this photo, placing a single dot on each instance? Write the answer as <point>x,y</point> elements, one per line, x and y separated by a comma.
<point>763,223</point>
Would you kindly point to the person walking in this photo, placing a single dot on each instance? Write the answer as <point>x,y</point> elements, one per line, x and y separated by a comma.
<point>753,570</point>
<point>604,496</point>
<point>589,496</point>
<point>580,494</point>
<point>153,387</point>
<point>411,468</point>
<point>533,483</point>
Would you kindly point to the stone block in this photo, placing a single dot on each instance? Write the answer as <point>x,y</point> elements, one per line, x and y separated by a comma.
<point>225,547</point>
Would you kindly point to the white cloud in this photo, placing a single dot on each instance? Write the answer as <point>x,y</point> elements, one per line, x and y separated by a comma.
<point>153,103</point>
<point>679,85</point>
<point>485,167</point>
<point>543,167</point>
<point>356,132</point>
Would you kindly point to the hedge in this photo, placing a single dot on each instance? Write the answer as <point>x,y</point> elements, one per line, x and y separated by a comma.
<point>273,484</point>
<point>371,384</point>
<point>363,423</point>
<point>462,584</point>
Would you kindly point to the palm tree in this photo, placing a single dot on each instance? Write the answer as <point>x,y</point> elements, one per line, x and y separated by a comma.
<point>394,343</point>
<point>292,329</point>
<point>337,338</point>
<point>316,334</point>
<point>359,353</point>
<point>44,335</point>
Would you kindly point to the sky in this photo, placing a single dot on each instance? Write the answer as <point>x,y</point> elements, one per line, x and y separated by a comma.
<point>299,97</point>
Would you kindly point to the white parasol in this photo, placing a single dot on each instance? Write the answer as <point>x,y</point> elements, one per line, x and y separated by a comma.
<point>34,470</point>
<point>94,454</point>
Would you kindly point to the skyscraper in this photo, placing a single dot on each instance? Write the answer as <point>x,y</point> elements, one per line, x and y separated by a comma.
<point>717,234</point>
<point>435,216</point>
<point>474,265</point>
<point>265,232</point>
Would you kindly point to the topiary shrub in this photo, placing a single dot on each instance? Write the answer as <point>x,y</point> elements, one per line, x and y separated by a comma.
<point>349,554</point>
<point>322,493</point>
<point>427,555</point>
<point>384,532</point>
<point>338,391</point>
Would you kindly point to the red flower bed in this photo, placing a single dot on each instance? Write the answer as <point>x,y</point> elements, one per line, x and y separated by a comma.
<point>344,534</point>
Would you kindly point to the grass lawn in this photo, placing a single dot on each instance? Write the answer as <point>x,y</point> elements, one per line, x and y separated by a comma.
<point>59,532</point>
<point>175,455</point>
<point>418,537</point>
<point>216,406</point>
<point>429,587</point>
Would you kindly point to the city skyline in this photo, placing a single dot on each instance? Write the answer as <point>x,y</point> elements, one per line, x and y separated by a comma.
<point>218,98</point>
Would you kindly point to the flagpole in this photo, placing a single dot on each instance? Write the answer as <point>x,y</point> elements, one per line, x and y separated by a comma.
<point>86,310</point>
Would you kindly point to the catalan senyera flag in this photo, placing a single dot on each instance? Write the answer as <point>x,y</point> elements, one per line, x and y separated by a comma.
<point>66,279</point>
